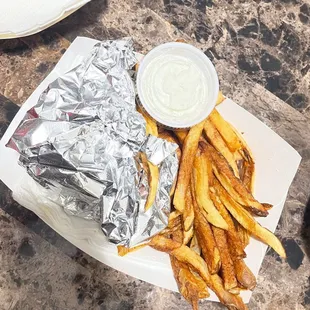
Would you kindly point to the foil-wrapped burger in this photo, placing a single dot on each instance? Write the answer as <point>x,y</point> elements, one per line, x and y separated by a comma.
<point>84,138</point>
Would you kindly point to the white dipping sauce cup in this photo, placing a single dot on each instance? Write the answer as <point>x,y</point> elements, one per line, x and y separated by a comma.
<point>197,57</point>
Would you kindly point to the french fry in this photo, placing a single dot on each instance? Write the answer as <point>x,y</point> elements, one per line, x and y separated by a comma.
<point>220,98</point>
<point>235,291</point>
<point>202,192</point>
<point>231,183</point>
<point>248,222</point>
<point>173,215</point>
<point>174,225</point>
<point>232,233</point>
<point>205,238</point>
<point>153,184</point>
<point>181,134</point>
<point>226,131</point>
<point>243,274</point>
<point>122,250</point>
<point>236,143</point>
<point>227,267</point>
<point>244,235</point>
<point>248,176</point>
<point>230,300</point>
<point>189,150</point>
<point>182,253</point>
<point>248,171</point>
<point>192,287</point>
<point>168,136</point>
<point>188,235</point>
<point>167,232</point>
<point>194,245</point>
<point>153,178</point>
<point>219,144</point>
<point>177,235</point>
<point>188,214</point>
<point>174,220</point>
<point>151,126</point>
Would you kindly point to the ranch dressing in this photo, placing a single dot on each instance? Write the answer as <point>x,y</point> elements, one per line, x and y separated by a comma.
<point>174,86</point>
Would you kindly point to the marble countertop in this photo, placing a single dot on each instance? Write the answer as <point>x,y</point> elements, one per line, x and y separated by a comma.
<point>261,50</point>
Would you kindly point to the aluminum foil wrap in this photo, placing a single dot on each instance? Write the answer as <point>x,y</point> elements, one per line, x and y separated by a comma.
<point>84,139</point>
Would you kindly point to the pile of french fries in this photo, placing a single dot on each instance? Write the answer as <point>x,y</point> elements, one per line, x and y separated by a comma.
<point>212,211</point>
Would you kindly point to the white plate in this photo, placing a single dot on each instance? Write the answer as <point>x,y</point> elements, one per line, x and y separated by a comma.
<point>19,18</point>
<point>275,170</point>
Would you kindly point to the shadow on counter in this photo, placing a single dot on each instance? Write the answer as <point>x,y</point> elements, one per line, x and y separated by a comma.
<point>305,231</point>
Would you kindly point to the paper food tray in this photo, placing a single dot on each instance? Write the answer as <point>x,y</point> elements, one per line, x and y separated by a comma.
<point>276,165</point>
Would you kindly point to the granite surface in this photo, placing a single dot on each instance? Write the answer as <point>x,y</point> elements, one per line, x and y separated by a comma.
<point>257,47</point>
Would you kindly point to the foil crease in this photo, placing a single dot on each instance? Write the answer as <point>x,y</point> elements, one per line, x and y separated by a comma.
<point>83,141</point>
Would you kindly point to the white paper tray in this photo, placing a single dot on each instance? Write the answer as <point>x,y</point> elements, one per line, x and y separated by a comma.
<point>276,165</point>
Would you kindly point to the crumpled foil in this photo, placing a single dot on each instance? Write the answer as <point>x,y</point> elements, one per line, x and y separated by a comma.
<point>84,139</point>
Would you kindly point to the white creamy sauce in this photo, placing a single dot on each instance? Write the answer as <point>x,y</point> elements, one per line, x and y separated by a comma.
<point>174,86</point>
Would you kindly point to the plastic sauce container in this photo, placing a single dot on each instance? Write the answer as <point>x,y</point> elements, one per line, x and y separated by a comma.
<point>177,85</point>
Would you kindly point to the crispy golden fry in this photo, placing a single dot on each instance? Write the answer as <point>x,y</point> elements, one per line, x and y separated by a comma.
<point>137,66</point>
<point>194,245</point>
<point>202,192</point>
<point>177,235</point>
<point>180,40</point>
<point>211,176</point>
<point>244,235</point>
<point>189,150</point>
<point>192,287</point>
<point>237,144</point>
<point>173,215</point>
<point>174,225</point>
<point>249,164</point>
<point>188,235</point>
<point>205,238</point>
<point>168,135</point>
<point>227,266</point>
<point>217,141</point>
<point>153,178</point>
<point>232,184</point>
<point>249,223</point>
<point>248,169</point>
<point>203,288</point>
<point>232,234</point>
<point>174,220</point>
<point>151,126</point>
<point>230,300</point>
<point>188,214</point>
<point>248,175</point>
<point>235,291</point>
<point>181,134</point>
<point>122,250</point>
<point>208,246</point>
<point>173,188</point>
<point>243,274</point>
<point>220,98</point>
<point>226,131</point>
<point>153,184</point>
<point>167,232</point>
<point>183,253</point>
